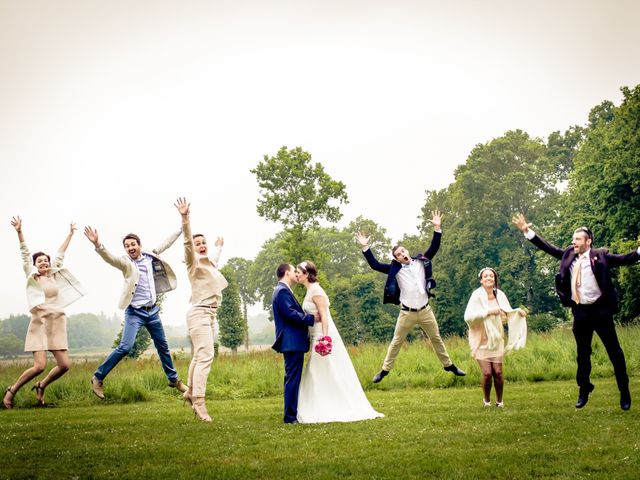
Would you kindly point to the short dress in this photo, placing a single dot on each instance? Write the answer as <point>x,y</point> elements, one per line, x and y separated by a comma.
<point>478,339</point>
<point>48,326</point>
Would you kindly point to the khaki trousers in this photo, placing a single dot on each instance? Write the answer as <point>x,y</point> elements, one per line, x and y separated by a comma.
<point>203,328</point>
<point>426,320</point>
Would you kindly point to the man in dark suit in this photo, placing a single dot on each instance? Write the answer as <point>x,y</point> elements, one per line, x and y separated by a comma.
<point>409,283</point>
<point>584,283</point>
<point>292,337</point>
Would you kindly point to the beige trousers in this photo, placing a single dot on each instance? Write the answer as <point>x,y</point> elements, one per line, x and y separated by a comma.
<point>426,320</point>
<point>203,328</point>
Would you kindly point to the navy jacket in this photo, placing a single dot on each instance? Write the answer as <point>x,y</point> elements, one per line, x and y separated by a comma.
<point>601,263</point>
<point>391,288</point>
<point>292,324</point>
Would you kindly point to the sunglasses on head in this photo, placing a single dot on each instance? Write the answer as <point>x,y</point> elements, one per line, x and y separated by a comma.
<point>587,231</point>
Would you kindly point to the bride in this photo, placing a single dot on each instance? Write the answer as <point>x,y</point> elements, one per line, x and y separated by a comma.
<point>330,390</point>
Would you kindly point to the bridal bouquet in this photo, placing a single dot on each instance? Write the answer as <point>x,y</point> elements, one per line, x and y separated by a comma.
<point>323,346</point>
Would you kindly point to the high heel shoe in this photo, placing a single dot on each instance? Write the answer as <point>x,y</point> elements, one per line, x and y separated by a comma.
<point>187,398</point>
<point>200,410</point>
<point>500,404</point>
<point>39,394</point>
<point>8,403</point>
<point>486,404</point>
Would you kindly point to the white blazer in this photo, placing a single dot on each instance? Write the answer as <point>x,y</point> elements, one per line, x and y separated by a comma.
<point>69,288</point>
<point>163,276</point>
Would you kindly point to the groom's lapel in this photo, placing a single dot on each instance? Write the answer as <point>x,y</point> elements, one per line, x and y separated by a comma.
<point>287,288</point>
<point>294,298</point>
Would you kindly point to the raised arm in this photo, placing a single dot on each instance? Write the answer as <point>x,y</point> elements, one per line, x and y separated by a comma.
<point>363,240</point>
<point>16,222</point>
<point>170,240</point>
<point>184,209</point>
<point>624,259</point>
<point>117,262</point>
<point>216,256</point>
<point>57,263</point>
<point>520,222</point>
<point>436,221</point>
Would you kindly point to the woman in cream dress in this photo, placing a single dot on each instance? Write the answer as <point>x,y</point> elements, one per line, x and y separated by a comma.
<point>207,284</point>
<point>330,390</point>
<point>50,288</point>
<point>487,310</point>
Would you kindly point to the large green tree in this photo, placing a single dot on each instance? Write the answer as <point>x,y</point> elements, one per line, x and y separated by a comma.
<point>512,173</point>
<point>604,188</point>
<point>297,194</point>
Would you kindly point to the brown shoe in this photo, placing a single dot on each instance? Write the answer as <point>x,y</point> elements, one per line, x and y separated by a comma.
<point>96,386</point>
<point>179,385</point>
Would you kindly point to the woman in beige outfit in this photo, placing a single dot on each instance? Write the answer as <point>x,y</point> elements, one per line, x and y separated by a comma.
<point>207,284</point>
<point>487,310</point>
<point>50,288</point>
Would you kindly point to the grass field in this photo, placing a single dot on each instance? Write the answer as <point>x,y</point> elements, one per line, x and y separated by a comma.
<point>435,425</point>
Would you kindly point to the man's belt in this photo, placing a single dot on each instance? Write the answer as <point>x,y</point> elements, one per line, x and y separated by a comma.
<point>408,309</point>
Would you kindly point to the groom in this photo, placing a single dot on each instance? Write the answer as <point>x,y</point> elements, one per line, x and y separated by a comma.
<point>292,337</point>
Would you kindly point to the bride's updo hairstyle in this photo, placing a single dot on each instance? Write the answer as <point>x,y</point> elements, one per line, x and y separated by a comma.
<point>310,269</point>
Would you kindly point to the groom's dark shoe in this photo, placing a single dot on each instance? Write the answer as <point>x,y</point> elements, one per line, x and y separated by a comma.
<point>380,375</point>
<point>625,400</point>
<point>583,396</point>
<point>455,370</point>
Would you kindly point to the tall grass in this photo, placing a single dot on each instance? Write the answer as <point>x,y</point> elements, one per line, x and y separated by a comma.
<point>547,356</point>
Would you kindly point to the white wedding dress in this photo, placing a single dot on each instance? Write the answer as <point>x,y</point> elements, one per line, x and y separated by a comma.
<point>330,390</point>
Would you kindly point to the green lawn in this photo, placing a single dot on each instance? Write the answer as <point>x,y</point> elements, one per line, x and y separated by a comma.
<point>427,433</point>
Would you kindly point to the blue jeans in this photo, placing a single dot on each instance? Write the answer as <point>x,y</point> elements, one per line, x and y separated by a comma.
<point>134,318</point>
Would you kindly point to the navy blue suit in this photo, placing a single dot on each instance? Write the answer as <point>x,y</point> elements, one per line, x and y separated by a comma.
<point>292,340</point>
<point>391,288</point>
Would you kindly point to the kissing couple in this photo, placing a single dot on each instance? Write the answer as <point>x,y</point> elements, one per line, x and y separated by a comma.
<point>329,389</point>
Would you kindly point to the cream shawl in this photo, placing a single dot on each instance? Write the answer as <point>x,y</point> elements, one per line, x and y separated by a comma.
<point>477,311</point>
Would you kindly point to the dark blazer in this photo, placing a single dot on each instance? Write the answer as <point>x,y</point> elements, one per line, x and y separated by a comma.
<point>391,288</point>
<point>292,324</point>
<point>601,262</point>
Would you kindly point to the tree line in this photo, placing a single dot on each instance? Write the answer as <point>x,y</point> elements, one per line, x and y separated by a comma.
<point>586,175</point>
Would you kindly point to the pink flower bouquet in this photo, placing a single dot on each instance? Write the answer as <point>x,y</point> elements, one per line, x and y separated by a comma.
<point>323,346</point>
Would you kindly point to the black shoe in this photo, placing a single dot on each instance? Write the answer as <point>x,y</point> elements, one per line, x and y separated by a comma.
<point>583,396</point>
<point>455,370</point>
<point>380,375</point>
<point>625,400</point>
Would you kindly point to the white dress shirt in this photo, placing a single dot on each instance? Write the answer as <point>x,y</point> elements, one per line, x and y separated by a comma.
<point>412,285</point>
<point>588,290</point>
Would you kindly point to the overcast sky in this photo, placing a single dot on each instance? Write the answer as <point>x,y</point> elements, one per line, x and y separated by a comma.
<point>110,110</point>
